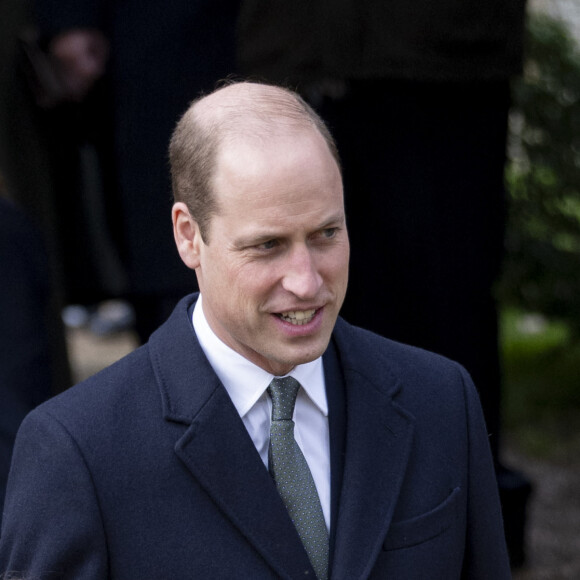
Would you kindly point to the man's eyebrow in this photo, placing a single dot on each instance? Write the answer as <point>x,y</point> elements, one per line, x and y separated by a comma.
<point>255,240</point>
<point>336,220</point>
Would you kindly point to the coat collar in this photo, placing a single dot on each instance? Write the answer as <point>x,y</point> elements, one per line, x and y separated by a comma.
<point>218,451</point>
<point>216,447</point>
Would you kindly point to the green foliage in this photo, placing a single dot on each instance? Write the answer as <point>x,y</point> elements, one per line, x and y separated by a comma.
<point>542,270</point>
<point>541,399</point>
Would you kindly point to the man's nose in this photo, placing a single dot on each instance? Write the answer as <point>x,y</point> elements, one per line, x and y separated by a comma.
<point>301,276</point>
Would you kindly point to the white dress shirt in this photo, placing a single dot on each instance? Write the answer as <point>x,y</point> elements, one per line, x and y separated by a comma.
<point>246,384</point>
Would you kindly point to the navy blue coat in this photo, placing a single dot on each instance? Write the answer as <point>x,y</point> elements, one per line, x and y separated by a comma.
<point>146,471</point>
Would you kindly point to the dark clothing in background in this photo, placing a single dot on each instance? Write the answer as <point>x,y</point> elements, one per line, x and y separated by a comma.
<point>26,170</point>
<point>25,354</point>
<point>457,40</point>
<point>44,157</point>
<point>423,177</point>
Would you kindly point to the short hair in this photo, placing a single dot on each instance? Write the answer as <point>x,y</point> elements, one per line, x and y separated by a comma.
<point>194,146</point>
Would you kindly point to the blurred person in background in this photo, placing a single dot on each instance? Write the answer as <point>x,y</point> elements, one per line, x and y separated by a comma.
<point>27,154</point>
<point>56,154</point>
<point>131,68</point>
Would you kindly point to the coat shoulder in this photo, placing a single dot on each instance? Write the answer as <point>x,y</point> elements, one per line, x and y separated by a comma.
<point>116,388</point>
<point>373,355</point>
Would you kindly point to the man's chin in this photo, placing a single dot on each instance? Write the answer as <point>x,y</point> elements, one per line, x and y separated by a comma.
<point>298,356</point>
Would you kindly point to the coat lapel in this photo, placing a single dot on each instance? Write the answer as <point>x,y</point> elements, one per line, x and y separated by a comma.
<point>219,453</point>
<point>378,443</point>
<point>217,449</point>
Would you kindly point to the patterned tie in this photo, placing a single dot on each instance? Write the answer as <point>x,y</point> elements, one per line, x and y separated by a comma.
<point>293,479</point>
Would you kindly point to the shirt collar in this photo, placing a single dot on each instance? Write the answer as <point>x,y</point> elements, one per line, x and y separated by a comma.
<point>246,382</point>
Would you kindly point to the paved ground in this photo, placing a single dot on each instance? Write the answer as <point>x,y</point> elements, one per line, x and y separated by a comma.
<point>90,353</point>
<point>554,515</point>
<point>553,535</point>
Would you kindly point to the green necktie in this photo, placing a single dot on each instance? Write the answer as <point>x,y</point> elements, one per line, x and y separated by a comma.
<point>293,479</point>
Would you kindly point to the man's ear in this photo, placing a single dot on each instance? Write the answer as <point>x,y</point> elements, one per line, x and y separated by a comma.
<point>187,235</point>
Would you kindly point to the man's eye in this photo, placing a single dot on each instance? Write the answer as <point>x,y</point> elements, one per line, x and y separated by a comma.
<point>269,245</point>
<point>329,233</point>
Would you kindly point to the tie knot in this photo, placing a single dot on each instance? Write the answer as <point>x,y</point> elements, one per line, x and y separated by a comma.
<point>283,394</point>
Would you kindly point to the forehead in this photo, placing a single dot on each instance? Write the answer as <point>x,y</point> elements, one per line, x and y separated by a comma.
<point>283,186</point>
<point>285,169</point>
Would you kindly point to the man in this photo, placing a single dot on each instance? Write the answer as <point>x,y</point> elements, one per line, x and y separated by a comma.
<point>158,467</point>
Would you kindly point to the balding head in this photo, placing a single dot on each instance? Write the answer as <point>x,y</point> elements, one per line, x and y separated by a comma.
<point>240,111</point>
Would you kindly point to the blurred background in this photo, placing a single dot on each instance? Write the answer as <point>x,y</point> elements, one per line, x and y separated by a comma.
<point>540,288</point>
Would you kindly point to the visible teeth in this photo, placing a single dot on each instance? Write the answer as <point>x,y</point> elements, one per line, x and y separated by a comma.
<point>298,317</point>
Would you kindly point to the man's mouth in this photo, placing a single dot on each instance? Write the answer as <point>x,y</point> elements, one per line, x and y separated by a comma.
<point>298,317</point>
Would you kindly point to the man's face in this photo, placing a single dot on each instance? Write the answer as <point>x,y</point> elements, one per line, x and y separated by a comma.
<point>274,272</point>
